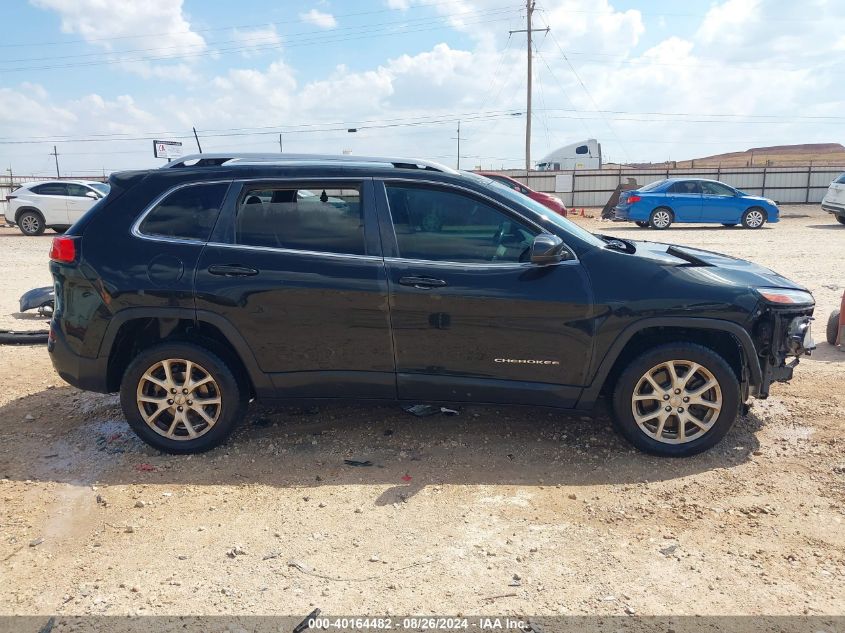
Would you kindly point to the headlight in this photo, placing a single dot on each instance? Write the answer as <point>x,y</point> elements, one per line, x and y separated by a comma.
<point>786,296</point>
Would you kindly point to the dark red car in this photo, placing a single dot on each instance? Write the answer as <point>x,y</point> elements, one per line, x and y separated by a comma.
<point>552,202</point>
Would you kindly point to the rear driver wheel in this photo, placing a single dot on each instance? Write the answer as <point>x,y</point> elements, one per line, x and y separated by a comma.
<point>181,398</point>
<point>31,223</point>
<point>660,218</point>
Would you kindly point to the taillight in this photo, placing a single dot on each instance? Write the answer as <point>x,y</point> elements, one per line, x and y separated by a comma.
<point>633,199</point>
<point>63,250</point>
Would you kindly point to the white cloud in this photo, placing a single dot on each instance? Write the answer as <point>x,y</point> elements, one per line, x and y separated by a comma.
<point>115,25</point>
<point>318,18</point>
<point>713,69</point>
<point>254,40</point>
<point>400,5</point>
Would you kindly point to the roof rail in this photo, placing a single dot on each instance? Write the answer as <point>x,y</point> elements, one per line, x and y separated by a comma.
<point>243,159</point>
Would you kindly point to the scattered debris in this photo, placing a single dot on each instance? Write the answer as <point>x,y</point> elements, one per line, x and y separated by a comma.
<point>299,628</point>
<point>425,410</point>
<point>237,550</point>
<point>668,551</point>
<point>271,555</point>
<point>357,462</point>
<point>140,504</point>
<point>503,595</point>
<point>406,477</point>
<point>36,542</point>
<point>101,500</point>
<point>49,625</point>
<point>145,468</point>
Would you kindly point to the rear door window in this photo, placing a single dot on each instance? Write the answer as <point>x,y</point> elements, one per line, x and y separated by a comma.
<point>686,187</point>
<point>320,217</point>
<point>188,213</point>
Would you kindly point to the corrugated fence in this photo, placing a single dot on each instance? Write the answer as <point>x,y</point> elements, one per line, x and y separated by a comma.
<point>593,187</point>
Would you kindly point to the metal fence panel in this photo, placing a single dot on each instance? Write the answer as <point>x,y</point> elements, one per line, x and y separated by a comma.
<point>593,187</point>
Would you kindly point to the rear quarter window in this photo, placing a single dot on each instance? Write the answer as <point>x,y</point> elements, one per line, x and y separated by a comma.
<point>188,213</point>
<point>840,180</point>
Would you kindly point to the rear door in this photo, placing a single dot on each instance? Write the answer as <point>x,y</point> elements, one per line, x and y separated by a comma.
<point>472,319</point>
<point>684,198</point>
<point>296,267</point>
<point>51,200</point>
<point>720,203</point>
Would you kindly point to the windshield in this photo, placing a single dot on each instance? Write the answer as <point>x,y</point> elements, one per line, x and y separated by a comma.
<point>102,187</point>
<point>548,215</point>
<point>652,185</point>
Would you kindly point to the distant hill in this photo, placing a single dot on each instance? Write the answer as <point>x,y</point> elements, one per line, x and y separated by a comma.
<point>776,155</point>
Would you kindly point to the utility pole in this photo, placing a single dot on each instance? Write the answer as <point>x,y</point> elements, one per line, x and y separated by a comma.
<point>199,147</point>
<point>529,10</point>
<point>281,149</point>
<point>459,139</point>
<point>55,155</point>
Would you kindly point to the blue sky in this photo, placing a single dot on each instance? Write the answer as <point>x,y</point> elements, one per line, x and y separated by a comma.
<point>651,79</point>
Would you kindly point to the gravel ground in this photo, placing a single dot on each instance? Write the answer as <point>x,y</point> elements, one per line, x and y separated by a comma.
<point>497,510</point>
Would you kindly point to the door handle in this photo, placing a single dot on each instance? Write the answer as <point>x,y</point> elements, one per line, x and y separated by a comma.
<point>232,270</point>
<point>423,283</point>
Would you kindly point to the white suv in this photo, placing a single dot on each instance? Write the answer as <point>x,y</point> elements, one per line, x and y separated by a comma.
<point>54,204</point>
<point>834,199</point>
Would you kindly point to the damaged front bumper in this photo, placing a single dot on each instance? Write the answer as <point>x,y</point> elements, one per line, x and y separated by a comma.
<point>782,337</point>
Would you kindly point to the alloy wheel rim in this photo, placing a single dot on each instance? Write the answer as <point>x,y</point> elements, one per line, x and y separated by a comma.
<point>179,399</point>
<point>676,402</point>
<point>661,219</point>
<point>30,224</point>
<point>754,219</point>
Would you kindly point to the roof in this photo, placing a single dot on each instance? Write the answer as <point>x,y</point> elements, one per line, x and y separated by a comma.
<point>236,159</point>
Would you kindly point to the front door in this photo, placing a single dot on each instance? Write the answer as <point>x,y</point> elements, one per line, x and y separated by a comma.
<point>473,319</point>
<point>685,199</point>
<point>79,200</point>
<point>720,203</point>
<point>296,268</point>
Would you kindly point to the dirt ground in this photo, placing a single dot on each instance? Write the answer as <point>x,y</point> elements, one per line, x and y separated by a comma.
<point>496,510</point>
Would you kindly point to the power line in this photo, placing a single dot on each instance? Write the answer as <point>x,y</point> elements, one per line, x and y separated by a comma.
<point>215,29</point>
<point>273,40</point>
<point>372,32</point>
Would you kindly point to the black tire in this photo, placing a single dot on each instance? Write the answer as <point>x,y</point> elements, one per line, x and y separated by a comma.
<point>641,224</point>
<point>31,223</point>
<point>661,218</point>
<point>232,395</point>
<point>840,219</point>
<point>720,424</point>
<point>60,229</point>
<point>833,327</point>
<point>37,337</point>
<point>750,217</point>
<point>729,224</point>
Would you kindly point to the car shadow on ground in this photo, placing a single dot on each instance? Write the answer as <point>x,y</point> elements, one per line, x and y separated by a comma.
<point>81,438</point>
<point>828,353</point>
<point>827,227</point>
<point>695,228</point>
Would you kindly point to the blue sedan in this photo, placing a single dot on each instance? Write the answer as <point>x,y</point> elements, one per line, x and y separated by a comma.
<point>661,203</point>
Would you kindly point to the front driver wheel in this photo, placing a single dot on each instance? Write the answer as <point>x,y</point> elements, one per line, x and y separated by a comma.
<point>753,218</point>
<point>676,400</point>
<point>660,218</point>
<point>181,398</point>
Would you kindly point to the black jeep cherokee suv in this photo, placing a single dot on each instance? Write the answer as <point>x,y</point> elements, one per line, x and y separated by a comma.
<point>196,287</point>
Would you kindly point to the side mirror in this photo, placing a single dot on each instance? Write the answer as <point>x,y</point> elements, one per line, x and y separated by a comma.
<point>546,249</point>
<point>91,194</point>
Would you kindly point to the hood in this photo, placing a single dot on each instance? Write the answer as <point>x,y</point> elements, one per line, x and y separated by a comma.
<point>728,269</point>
